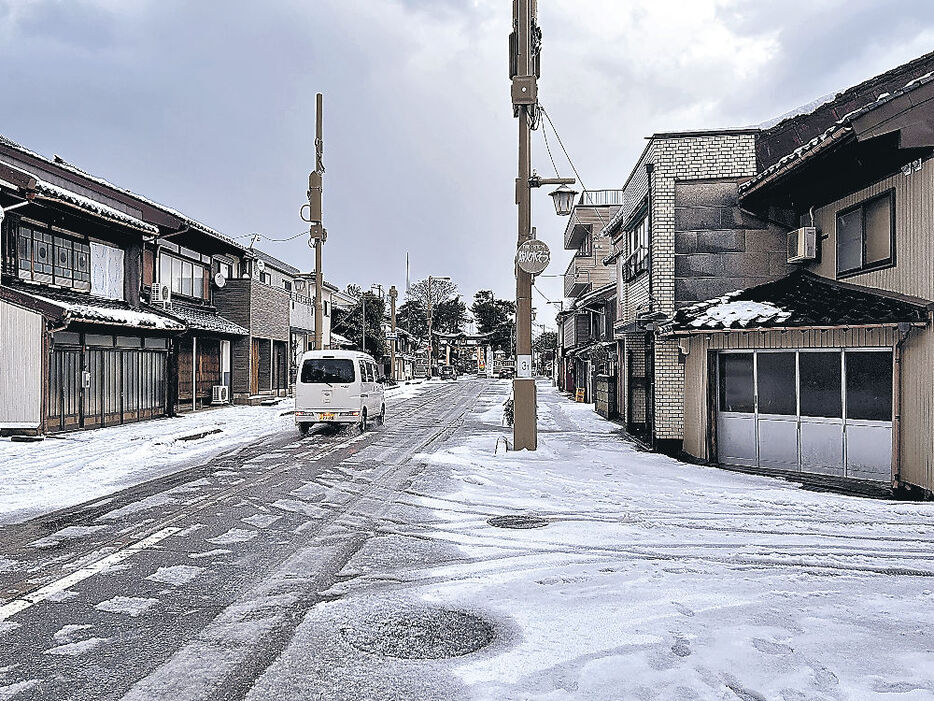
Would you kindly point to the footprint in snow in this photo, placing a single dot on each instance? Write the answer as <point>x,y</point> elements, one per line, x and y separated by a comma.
<point>681,648</point>
<point>769,647</point>
<point>682,609</point>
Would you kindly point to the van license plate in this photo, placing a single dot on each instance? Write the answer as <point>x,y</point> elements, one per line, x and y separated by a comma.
<point>329,416</point>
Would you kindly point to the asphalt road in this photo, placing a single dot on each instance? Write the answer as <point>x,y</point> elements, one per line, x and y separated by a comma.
<point>190,586</point>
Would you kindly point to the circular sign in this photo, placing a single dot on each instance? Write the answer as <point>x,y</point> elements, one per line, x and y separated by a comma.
<point>533,256</point>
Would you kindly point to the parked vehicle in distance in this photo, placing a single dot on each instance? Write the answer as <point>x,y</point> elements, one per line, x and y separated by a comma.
<point>338,387</point>
<point>448,372</point>
<point>507,373</point>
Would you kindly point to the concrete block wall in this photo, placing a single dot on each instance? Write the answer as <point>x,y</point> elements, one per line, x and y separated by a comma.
<point>718,247</point>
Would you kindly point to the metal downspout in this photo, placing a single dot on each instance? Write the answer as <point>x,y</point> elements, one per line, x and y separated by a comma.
<point>904,333</point>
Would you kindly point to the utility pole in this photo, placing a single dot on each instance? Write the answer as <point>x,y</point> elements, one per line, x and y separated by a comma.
<point>317,233</point>
<point>431,341</point>
<point>363,322</point>
<point>524,71</point>
<point>393,294</point>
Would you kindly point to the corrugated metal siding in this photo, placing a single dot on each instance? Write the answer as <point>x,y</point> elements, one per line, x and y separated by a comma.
<point>20,367</point>
<point>914,244</point>
<point>917,415</point>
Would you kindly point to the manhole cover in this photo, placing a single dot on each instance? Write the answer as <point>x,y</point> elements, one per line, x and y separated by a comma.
<point>517,521</point>
<point>427,634</point>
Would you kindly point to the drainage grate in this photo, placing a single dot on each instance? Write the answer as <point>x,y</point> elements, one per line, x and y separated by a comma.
<point>426,634</point>
<point>517,521</point>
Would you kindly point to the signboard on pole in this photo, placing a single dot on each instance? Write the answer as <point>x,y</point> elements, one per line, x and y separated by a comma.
<point>524,366</point>
<point>533,256</point>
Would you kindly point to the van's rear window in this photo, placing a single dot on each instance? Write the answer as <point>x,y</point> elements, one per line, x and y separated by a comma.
<point>328,370</point>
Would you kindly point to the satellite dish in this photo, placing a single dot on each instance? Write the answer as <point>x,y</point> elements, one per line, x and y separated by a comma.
<point>261,265</point>
<point>219,279</point>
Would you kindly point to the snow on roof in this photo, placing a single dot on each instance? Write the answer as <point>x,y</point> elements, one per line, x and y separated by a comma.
<point>836,130</point>
<point>114,316</point>
<point>340,340</point>
<point>47,190</point>
<point>728,313</point>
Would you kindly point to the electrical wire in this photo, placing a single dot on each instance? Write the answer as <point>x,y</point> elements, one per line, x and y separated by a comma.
<point>573,168</point>
<point>270,238</point>
<point>552,158</point>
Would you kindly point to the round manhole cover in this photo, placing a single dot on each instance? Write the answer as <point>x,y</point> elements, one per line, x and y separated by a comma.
<point>517,521</point>
<point>421,634</point>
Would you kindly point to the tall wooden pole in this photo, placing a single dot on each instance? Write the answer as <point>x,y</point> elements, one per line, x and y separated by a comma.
<point>393,294</point>
<point>524,98</point>
<point>317,232</point>
<point>431,341</point>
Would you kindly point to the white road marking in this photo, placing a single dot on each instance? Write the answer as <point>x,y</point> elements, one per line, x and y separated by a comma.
<point>21,604</point>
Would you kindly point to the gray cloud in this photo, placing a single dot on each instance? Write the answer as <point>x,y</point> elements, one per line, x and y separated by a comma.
<point>209,106</point>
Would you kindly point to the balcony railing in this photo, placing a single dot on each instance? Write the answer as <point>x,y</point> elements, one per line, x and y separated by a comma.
<point>601,198</point>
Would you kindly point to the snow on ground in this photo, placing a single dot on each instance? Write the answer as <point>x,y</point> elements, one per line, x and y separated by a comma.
<point>69,469</point>
<point>660,580</point>
<point>130,605</point>
<point>177,575</point>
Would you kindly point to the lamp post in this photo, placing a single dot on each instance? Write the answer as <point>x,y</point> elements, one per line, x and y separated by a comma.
<point>431,341</point>
<point>393,294</point>
<point>524,70</point>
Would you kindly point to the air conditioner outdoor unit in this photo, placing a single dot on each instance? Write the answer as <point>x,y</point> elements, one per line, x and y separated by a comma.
<point>220,394</point>
<point>802,244</point>
<point>160,295</point>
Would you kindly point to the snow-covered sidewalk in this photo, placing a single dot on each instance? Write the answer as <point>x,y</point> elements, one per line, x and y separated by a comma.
<point>72,468</point>
<point>652,579</point>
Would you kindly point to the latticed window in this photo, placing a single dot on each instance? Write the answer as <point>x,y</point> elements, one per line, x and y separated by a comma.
<point>44,257</point>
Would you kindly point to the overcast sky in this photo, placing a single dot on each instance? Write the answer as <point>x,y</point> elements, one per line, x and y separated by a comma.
<point>208,106</point>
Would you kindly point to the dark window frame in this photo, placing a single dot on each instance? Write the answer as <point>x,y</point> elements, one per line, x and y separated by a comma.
<point>866,267</point>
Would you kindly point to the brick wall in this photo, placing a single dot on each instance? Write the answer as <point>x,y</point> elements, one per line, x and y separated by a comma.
<point>678,159</point>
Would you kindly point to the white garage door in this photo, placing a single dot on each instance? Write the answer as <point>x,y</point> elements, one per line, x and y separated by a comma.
<point>820,411</point>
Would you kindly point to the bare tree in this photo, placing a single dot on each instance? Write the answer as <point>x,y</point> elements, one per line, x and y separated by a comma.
<point>441,291</point>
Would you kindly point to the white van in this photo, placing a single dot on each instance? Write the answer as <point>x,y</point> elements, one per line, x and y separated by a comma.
<point>337,386</point>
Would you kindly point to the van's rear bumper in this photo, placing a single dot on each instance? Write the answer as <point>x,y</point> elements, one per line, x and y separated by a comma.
<point>349,416</point>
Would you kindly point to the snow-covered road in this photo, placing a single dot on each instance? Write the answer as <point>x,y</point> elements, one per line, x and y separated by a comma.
<point>652,580</point>
<point>342,567</point>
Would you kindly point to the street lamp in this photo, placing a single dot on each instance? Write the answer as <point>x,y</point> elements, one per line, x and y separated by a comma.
<point>431,342</point>
<point>563,198</point>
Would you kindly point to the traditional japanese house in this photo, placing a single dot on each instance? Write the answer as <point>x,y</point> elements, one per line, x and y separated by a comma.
<point>80,348</point>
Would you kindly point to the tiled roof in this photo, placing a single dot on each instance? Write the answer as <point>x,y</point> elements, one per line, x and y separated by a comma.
<point>48,191</point>
<point>837,130</point>
<point>275,262</point>
<point>206,320</point>
<point>801,299</point>
<point>99,310</point>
